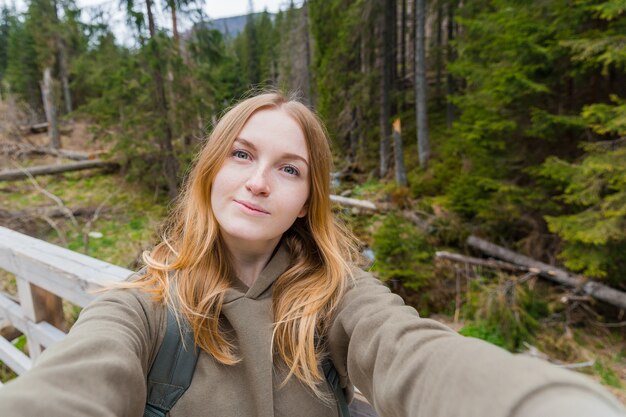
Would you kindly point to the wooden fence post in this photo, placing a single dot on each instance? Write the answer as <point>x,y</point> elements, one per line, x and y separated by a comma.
<point>39,305</point>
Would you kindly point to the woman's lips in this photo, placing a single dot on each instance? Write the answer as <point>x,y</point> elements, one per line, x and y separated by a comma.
<point>251,207</point>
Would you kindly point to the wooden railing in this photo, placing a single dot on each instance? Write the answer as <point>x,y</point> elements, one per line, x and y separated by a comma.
<point>45,274</point>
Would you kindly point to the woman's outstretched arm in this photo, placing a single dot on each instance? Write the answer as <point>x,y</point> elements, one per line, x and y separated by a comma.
<point>409,366</point>
<point>98,370</point>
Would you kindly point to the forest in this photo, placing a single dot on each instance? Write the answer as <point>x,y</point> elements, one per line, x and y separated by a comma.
<point>498,119</point>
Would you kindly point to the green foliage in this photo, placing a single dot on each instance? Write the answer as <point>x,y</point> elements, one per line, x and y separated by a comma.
<point>347,96</point>
<point>607,375</point>
<point>503,312</point>
<point>402,252</point>
<point>6,18</point>
<point>485,331</point>
<point>20,343</point>
<point>511,62</point>
<point>22,75</point>
<point>593,190</point>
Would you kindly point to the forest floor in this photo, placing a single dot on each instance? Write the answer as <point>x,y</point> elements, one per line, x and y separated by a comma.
<point>130,217</point>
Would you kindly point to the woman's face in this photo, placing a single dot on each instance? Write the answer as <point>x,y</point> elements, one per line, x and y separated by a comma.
<point>263,184</point>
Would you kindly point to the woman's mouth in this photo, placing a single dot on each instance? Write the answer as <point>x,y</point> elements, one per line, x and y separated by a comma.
<point>251,208</point>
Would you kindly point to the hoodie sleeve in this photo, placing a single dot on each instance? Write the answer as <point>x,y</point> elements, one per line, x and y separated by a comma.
<point>99,369</point>
<point>410,366</point>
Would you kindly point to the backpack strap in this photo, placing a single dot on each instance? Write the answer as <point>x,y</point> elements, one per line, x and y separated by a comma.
<point>172,369</point>
<point>332,377</point>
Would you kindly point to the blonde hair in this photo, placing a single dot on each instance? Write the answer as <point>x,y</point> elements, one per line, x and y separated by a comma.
<point>305,296</point>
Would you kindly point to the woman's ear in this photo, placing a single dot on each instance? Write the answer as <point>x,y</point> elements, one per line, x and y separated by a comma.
<point>304,210</point>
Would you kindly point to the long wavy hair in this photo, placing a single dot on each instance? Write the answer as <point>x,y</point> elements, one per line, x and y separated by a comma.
<point>190,268</point>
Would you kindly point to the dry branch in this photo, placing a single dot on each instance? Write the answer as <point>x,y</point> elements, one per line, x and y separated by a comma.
<point>16,174</point>
<point>552,273</point>
<point>50,195</point>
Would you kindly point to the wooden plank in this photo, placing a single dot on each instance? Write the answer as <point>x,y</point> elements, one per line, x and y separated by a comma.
<point>13,357</point>
<point>70,275</point>
<point>39,304</point>
<point>8,331</point>
<point>44,333</point>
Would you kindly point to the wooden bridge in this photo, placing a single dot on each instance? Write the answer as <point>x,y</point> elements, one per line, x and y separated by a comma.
<point>46,275</point>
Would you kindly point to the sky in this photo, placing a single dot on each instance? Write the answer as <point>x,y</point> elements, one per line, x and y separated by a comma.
<point>213,8</point>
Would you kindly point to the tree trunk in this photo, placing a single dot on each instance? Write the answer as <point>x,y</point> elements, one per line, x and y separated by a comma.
<point>385,87</point>
<point>399,154</point>
<point>47,92</point>
<point>451,87</point>
<point>307,54</point>
<point>175,34</point>
<point>67,97</point>
<point>403,42</point>
<point>392,24</point>
<point>439,57</point>
<point>170,164</point>
<point>353,137</point>
<point>421,116</point>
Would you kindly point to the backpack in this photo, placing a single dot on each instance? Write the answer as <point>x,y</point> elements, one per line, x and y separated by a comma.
<point>175,363</point>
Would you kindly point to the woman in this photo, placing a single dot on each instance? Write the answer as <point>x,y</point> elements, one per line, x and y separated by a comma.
<point>253,261</point>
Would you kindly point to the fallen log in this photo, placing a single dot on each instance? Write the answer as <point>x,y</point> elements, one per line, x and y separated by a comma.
<point>38,212</point>
<point>421,220</point>
<point>16,174</point>
<point>489,263</point>
<point>17,149</point>
<point>35,128</point>
<point>65,153</point>
<point>595,289</point>
<point>353,202</point>
<point>43,127</point>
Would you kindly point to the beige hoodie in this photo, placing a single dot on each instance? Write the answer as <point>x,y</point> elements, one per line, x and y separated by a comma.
<point>405,365</point>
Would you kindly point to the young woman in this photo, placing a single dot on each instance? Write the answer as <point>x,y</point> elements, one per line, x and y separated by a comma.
<point>253,260</point>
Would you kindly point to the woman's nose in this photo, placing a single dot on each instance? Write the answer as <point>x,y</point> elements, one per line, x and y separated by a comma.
<point>258,183</point>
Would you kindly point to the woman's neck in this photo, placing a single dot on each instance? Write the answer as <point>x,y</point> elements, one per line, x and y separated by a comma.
<point>250,260</point>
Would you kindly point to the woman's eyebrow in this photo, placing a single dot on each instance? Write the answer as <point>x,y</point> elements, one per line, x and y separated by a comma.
<point>246,143</point>
<point>284,156</point>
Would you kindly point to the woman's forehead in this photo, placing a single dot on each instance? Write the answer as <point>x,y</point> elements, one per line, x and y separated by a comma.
<point>274,129</point>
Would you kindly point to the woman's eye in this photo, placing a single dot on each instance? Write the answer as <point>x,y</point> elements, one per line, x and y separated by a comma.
<point>241,154</point>
<point>291,170</point>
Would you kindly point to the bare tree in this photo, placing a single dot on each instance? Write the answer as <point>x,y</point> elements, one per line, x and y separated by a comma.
<point>423,146</point>
<point>399,154</point>
<point>386,85</point>
<point>170,164</point>
<point>451,89</point>
<point>47,92</point>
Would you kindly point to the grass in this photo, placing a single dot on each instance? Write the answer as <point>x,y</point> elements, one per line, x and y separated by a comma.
<point>127,222</point>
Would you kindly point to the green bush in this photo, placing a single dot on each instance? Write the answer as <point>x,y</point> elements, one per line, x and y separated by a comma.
<point>402,252</point>
<point>505,313</point>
